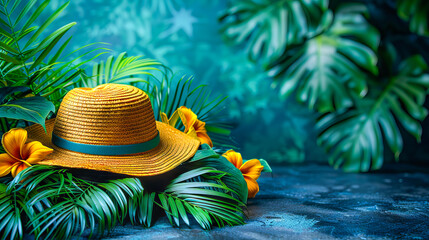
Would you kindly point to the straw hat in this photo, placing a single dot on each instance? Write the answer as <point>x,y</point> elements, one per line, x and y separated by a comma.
<point>112,128</point>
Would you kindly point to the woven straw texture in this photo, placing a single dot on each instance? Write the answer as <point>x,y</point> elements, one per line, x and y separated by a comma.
<point>113,114</point>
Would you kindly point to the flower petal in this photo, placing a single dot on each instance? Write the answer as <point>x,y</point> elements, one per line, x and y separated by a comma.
<point>234,157</point>
<point>252,187</point>
<point>17,169</point>
<point>6,164</point>
<point>200,126</point>
<point>13,142</point>
<point>188,117</point>
<point>192,133</point>
<point>35,151</point>
<point>164,118</point>
<point>252,168</point>
<point>173,119</point>
<point>204,138</point>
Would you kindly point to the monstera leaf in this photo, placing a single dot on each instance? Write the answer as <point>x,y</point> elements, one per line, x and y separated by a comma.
<point>417,13</point>
<point>123,69</point>
<point>269,27</point>
<point>355,138</point>
<point>324,69</point>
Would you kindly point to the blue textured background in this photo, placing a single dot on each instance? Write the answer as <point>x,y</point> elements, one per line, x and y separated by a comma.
<point>184,35</point>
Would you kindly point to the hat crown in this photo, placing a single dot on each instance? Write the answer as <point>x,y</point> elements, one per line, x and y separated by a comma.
<point>110,114</point>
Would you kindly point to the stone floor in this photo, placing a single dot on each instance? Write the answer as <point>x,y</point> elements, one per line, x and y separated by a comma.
<point>317,202</point>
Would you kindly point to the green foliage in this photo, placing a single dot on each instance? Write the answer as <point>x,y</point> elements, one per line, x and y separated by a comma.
<point>33,109</point>
<point>326,71</point>
<point>10,206</point>
<point>269,27</point>
<point>122,70</point>
<point>416,12</point>
<point>205,201</point>
<point>334,69</point>
<point>355,137</point>
<point>166,93</point>
<point>31,58</point>
<point>52,203</point>
<point>170,92</point>
<point>233,179</point>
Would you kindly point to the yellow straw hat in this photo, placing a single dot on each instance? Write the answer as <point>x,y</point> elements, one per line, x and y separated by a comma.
<point>112,128</point>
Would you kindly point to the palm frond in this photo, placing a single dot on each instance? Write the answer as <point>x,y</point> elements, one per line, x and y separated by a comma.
<point>141,208</point>
<point>30,56</point>
<point>123,69</point>
<point>233,179</point>
<point>53,203</point>
<point>11,205</point>
<point>75,204</point>
<point>170,92</point>
<point>213,192</point>
<point>207,202</point>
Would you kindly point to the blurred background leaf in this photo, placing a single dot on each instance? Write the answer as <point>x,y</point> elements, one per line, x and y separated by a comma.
<point>264,67</point>
<point>327,70</point>
<point>269,27</point>
<point>416,12</point>
<point>337,73</point>
<point>355,138</point>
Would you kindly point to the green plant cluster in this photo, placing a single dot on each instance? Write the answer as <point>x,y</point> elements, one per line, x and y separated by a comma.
<point>329,56</point>
<point>53,203</point>
<point>35,75</point>
<point>56,203</point>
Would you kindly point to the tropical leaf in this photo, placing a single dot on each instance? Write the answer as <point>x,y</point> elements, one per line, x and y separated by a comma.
<point>11,206</point>
<point>31,57</point>
<point>52,203</point>
<point>5,91</point>
<point>123,69</point>
<point>205,201</point>
<point>355,138</point>
<point>270,27</point>
<point>234,179</point>
<point>124,192</point>
<point>141,208</point>
<point>326,71</point>
<point>415,11</point>
<point>75,204</point>
<point>32,109</point>
<point>170,93</point>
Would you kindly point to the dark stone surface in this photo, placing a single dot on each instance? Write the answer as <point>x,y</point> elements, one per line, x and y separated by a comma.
<point>318,202</point>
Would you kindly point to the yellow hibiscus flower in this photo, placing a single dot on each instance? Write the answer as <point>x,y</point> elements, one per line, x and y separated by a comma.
<point>251,170</point>
<point>20,155</point>
<point>193,126</point>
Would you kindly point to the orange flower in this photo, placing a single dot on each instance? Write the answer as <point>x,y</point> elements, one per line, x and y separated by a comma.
<point>251,170</point>
<point>193,126</point>
<point>20,155</point>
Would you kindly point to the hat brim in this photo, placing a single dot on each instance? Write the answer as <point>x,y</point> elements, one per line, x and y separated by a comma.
<point>175,147</point>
